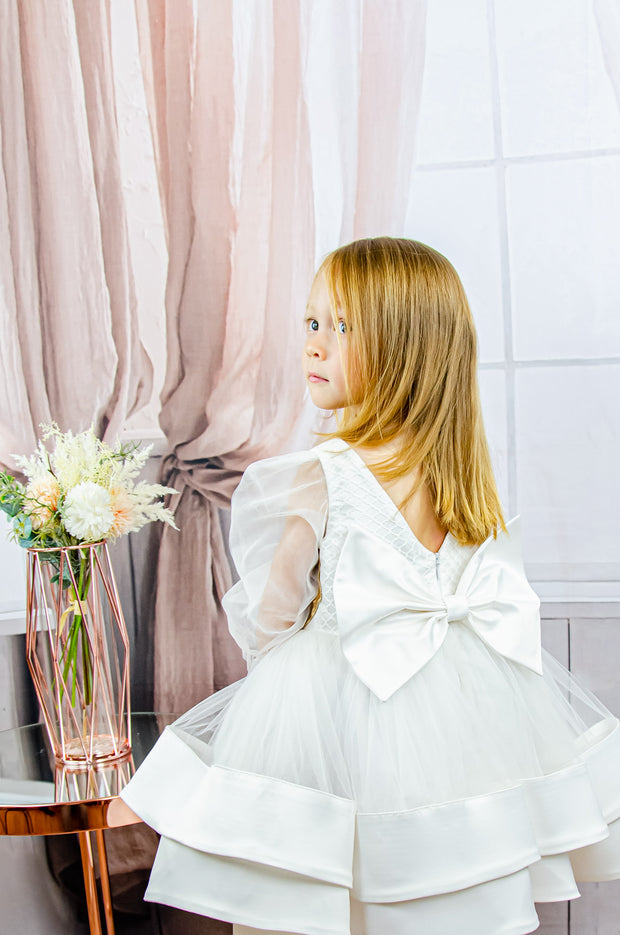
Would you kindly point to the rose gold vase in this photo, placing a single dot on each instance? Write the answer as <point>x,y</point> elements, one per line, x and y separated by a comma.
<point>101,780</point>
<point>78,653</point>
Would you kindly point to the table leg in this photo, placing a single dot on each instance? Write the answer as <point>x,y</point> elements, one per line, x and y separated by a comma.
<point>105,882</point>
<point>90,883</point>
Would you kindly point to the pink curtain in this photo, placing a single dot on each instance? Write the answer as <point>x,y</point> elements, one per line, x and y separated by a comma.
<point>230,102</point>
<point>70,349</point>
<point>236,185</point>
<point>392,65</point>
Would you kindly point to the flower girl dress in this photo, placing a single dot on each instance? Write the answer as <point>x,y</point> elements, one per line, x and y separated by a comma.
<point>406,761</point>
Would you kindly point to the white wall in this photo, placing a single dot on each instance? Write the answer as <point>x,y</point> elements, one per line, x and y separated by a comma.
<point>518,182</point>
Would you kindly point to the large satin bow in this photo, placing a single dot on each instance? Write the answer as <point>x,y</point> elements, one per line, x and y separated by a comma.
<point>392,620</point>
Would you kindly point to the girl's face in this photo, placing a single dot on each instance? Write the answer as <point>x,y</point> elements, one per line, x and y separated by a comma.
<point>325,350</point>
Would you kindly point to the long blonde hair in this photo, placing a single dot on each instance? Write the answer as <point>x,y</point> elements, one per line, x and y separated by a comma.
<point>412,376</point>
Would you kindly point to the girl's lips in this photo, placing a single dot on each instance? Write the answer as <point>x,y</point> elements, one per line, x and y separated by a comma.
<point>315,378</point>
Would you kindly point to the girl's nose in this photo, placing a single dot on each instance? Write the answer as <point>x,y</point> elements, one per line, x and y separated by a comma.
<point>315,348</point>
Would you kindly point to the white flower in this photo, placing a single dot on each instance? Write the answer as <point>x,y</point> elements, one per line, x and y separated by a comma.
<point>87,512</point>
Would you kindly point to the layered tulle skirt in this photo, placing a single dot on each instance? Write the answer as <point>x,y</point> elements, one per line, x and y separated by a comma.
<point>297,801</point>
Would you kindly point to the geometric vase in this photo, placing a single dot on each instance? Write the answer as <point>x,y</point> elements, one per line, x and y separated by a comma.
<point>78,653</point>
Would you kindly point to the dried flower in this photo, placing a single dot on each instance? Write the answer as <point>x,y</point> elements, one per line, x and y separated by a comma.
<point>80,491</point>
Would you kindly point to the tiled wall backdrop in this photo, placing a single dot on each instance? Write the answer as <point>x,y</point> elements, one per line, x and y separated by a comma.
<point>518,182</point>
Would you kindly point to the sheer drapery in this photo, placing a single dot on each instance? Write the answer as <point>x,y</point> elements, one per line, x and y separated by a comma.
<point>70,349</point>
<point>236,184</point>
<point>242,172</point>
<point>391,70</point>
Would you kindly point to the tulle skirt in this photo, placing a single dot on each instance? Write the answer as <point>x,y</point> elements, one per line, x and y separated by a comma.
<point>296,801</point>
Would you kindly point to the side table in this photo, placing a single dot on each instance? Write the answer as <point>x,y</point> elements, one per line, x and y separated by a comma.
<point>37,797</point>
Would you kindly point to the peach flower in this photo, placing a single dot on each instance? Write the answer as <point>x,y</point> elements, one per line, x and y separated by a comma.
<point>122,511</point>
<point>42,499</point>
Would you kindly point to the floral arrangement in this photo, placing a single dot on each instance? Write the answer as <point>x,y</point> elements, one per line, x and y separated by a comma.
<point>81,492</point>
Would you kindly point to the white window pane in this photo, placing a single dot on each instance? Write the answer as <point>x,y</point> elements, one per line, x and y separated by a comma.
<point>556,95</point>
<point>456,121</point>
<point>455,211</point>
<point>568,452</point>
<point>564,234</point>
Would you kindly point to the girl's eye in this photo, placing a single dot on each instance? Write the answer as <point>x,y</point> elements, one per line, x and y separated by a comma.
<point>312,324</point>
<point>342,327</point>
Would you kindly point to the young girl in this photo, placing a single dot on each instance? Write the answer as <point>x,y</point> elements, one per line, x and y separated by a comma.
<point>400,758</point>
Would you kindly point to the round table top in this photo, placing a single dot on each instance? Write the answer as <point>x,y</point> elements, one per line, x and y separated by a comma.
<point>38,796</point>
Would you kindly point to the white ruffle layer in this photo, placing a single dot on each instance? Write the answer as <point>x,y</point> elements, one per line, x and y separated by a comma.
<point>274,854</point>
<point>247,894</point>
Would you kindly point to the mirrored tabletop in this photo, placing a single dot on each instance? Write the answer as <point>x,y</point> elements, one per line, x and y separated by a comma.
<point>40,796</point>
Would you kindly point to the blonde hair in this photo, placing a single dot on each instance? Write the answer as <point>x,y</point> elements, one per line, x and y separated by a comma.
<point>412,376</point>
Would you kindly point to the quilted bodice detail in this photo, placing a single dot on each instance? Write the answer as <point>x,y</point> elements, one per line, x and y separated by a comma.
<point>356,498</point>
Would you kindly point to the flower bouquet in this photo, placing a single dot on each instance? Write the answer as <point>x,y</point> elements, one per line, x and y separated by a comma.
<point>78,496</point>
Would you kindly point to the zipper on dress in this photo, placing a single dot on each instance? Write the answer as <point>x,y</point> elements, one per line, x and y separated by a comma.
<point>437,566</point>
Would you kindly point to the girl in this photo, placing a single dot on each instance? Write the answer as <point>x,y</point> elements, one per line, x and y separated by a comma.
<point>400,757</point>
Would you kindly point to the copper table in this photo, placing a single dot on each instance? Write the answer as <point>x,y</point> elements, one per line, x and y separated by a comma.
<point>39,797</point>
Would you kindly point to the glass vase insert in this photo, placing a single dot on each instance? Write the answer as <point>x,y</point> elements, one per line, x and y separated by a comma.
<point>78,653</point>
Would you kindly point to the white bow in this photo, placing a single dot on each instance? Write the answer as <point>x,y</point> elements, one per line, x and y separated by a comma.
<point>392,620</point>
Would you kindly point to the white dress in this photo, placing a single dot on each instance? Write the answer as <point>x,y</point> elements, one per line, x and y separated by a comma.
<point>406,761</point>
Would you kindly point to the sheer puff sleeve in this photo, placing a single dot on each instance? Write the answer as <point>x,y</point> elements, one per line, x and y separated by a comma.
<point>279,511</point>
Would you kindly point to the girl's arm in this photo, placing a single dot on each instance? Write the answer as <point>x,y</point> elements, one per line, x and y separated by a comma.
<point>292,582</point>
<point>278,520</point>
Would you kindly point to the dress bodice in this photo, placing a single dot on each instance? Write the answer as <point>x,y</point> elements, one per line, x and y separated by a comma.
<point>356,498</point>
